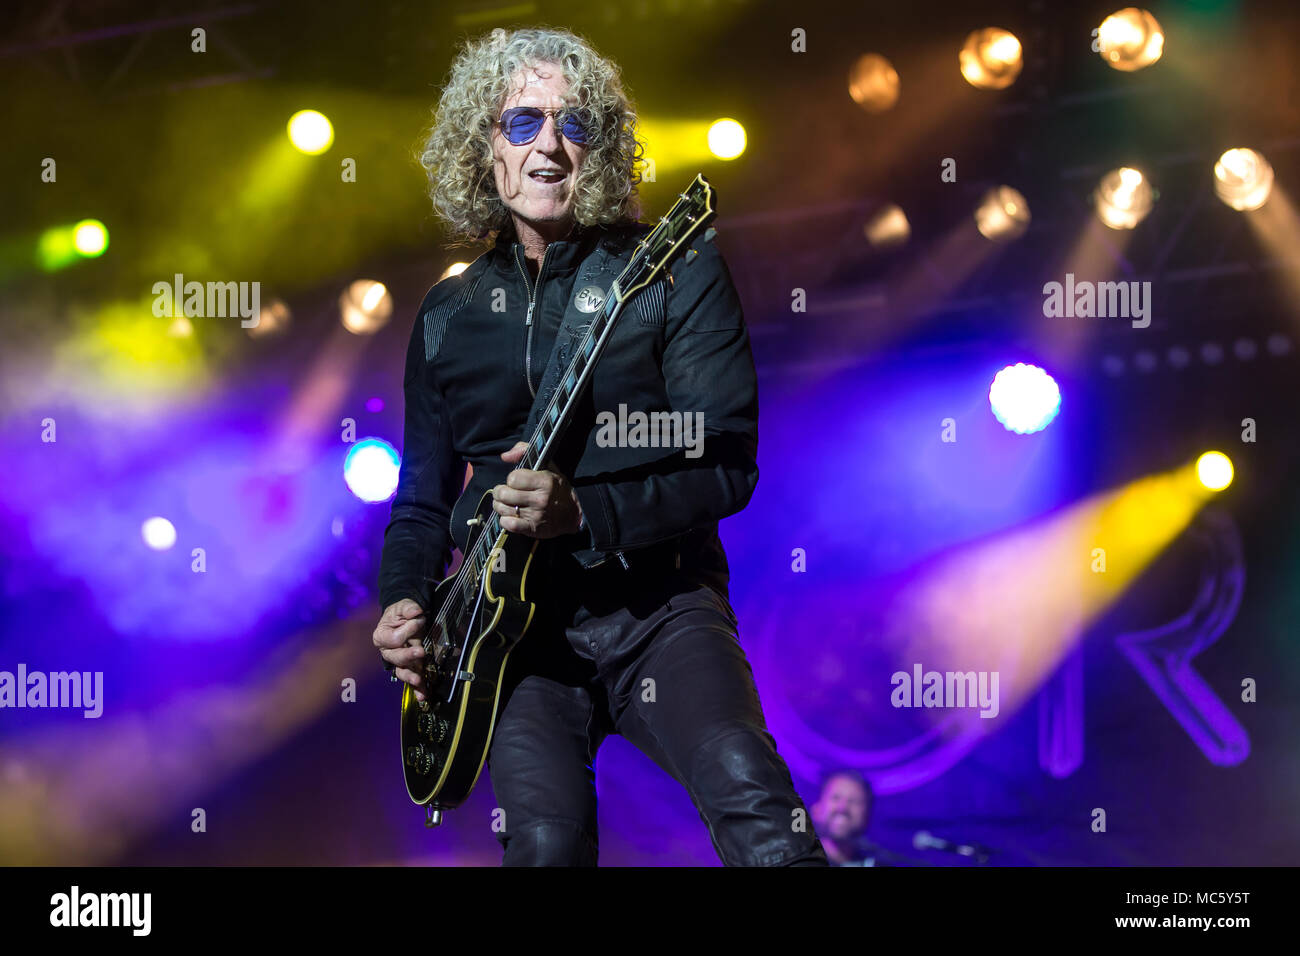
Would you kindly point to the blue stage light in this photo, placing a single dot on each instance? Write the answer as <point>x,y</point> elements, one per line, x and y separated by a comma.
<point>1024,398</point>
<point>371,470</point>
<point>158,533</point>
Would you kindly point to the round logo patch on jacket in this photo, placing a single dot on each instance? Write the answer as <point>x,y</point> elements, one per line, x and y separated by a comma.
<point>589,298</point>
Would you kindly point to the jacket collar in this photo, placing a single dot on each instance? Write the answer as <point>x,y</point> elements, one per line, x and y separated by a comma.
<point>562,255</point>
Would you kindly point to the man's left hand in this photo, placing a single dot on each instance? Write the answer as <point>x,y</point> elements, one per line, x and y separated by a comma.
<point>547,505</point>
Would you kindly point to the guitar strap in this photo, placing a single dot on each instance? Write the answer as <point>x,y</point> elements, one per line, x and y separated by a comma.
<point>595,278</point>
<point>596,275</point>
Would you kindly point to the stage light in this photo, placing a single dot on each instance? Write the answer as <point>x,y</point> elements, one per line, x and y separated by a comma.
<point>1123,198</point>
<point>1278,344</point>
<point>310,132</point>
<point>873,83</point>
<point>1243,179</point>
<point>371,470</point>
<point>1130,39</point>
<point>273,318</point>
<point>60,246</point>
<point>90,238</point>
<point>365,306</point>
<point>1002,214</point>
<point>887,228</point>
<point>991,59</point>
<point>1024,398</point>
<point>1214,470</point>
<point>158,533</point>
<point>726,139</point>
<point>455,269</point>
<point>181,327</point>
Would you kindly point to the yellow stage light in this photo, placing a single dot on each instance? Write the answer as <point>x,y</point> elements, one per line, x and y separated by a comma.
<point>1243,179</point>
<point>1002,214</point>
<point>1130,39</point>
<point>1123,198</point>
<point>726,139</point>
<point>365,306</point>
<point>991,59</point>
<point>887,228</point>
<point>1214,470</point>
<point>273,318</point>
<point>455,269</point>
<point>310,132</point>
<point>873,83</point>
<point>90,238</point>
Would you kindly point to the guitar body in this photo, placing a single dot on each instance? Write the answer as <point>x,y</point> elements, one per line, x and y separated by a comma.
<point>446,738</point>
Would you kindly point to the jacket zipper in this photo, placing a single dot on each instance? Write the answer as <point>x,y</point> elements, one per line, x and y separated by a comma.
<point>528,349</point>
<point>528,318</point>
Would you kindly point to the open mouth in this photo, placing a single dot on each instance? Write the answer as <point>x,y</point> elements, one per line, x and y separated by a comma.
<point>548,177</point>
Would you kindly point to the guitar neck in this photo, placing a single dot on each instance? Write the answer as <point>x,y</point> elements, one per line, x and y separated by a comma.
<point>558,413</point>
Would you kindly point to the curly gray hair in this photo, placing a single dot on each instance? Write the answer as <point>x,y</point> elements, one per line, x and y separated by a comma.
<point>457,151</point>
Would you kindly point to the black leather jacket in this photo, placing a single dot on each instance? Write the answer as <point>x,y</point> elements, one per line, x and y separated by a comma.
<point>472,366</point>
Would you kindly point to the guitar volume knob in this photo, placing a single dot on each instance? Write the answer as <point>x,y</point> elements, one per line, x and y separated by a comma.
<point>434,728</point>
<point>441,730</point>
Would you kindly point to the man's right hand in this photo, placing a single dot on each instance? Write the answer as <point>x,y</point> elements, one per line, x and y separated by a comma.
<point>398,638</point>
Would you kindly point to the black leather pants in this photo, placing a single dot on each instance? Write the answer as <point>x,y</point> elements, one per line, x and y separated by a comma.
<point>656,660</point>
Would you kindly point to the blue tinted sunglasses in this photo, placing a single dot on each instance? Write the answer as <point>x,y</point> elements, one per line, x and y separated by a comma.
<point>521,124</point>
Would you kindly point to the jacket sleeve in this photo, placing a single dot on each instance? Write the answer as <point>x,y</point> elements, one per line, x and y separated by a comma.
<point>417,545</point>
<point>708,368</point>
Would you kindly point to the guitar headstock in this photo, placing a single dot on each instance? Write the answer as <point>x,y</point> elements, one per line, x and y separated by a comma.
<point>671,237</point>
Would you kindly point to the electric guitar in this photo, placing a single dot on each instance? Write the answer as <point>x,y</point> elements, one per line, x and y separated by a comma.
<point>480,613</point>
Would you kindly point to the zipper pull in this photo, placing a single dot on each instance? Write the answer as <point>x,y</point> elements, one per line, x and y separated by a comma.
<point>528,319</point>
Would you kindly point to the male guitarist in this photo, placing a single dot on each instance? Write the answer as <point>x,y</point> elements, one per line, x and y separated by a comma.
<point>534,147</point>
